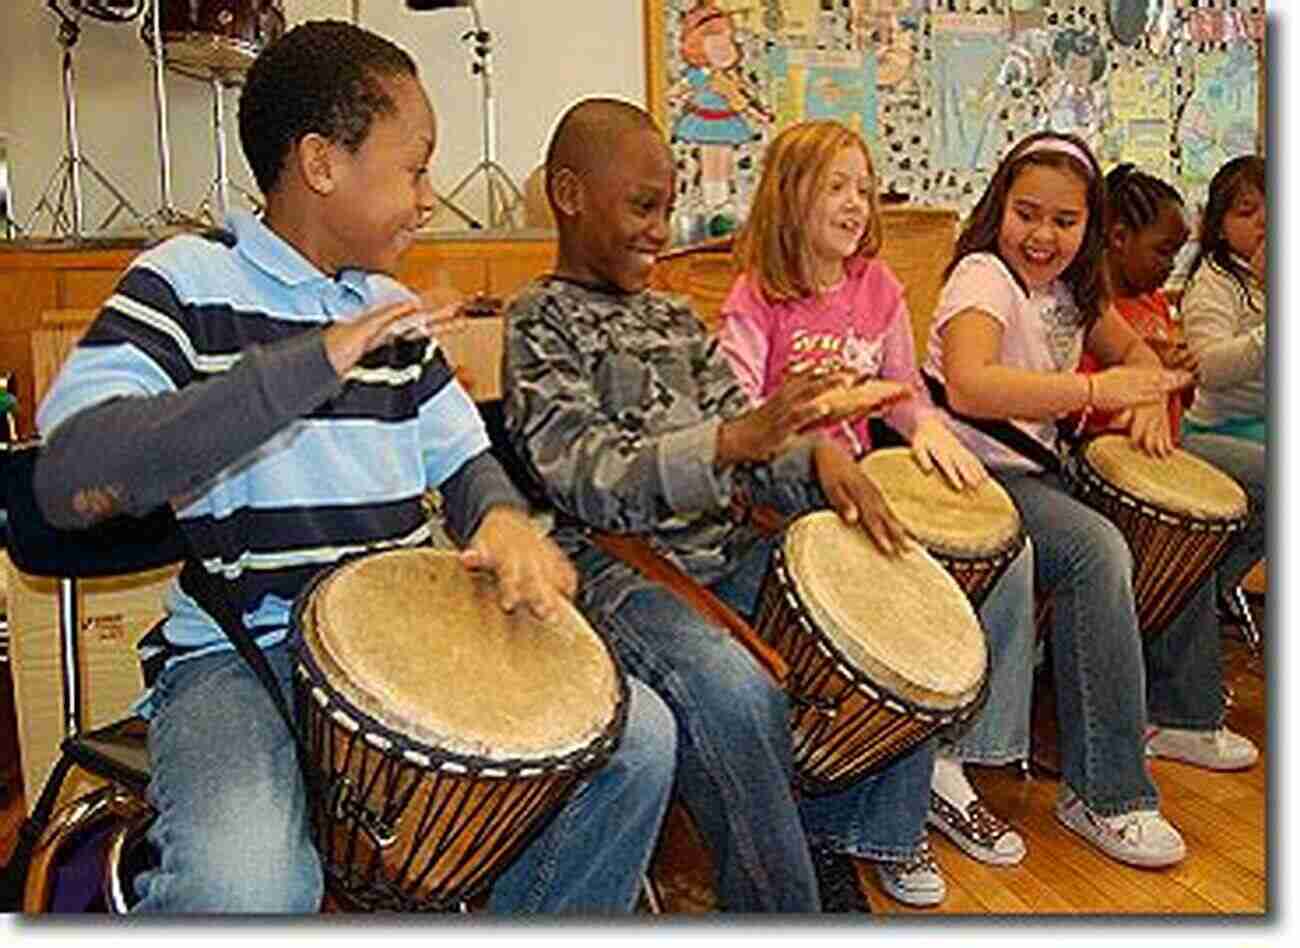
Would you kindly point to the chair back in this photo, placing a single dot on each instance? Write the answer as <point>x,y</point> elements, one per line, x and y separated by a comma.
<point>115,547</point>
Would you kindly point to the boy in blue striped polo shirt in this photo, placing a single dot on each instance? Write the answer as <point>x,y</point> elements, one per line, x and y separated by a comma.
<point>288,397</point>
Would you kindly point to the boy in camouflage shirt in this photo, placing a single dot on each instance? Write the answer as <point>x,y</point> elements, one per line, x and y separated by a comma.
<point>633,422</point>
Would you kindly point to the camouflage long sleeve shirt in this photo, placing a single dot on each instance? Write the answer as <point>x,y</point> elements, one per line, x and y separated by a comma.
<point>613,402</point>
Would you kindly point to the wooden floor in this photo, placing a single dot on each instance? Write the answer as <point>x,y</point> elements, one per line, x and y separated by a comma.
<point>1223,817</point>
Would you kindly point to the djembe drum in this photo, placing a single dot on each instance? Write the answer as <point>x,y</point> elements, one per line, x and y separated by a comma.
<point>974,534</point>
<point>1177,513</point>
<point>440,731</point>
<point>882,651</point>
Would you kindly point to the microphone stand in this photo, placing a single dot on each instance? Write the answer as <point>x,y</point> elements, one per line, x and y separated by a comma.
<point>502,194</point>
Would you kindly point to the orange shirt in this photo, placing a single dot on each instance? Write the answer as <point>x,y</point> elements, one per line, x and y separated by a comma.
<point>1151,317</point>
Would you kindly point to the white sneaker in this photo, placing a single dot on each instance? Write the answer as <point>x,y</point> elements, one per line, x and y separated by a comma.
<point>916,881</point>
<point>1215,750</point>
<point>1141,838</point>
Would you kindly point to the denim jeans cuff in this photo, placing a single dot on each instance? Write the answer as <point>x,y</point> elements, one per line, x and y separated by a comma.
<point>865,849</point>
<point>1186,724</point>
<point>1132,805</point>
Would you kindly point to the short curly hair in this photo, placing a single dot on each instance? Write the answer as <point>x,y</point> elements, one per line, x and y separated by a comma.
<point>323,76</point>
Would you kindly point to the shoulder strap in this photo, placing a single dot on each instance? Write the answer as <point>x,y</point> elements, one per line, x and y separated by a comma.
<point>203,588</point>
<point>1004,432</point>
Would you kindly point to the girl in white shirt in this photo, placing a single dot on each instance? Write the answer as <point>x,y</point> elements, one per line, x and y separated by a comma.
<point>1025,295</point>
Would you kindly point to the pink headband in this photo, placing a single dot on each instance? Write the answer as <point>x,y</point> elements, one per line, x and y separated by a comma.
<point>1051,143</point>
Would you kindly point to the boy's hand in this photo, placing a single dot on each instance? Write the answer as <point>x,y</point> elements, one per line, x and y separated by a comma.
<point>855,498</point>
<point>346,343</point>
<point>761,433</point>
<point>530,569</point>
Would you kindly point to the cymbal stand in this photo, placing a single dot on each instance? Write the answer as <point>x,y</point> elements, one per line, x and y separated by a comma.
<point>216,205</point>
<point>167,213</point>
<point>66,180</point>
<point>503,197</point>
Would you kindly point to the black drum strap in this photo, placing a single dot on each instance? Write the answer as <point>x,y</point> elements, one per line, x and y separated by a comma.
<point>203,588</point>
<point>1003,432</point>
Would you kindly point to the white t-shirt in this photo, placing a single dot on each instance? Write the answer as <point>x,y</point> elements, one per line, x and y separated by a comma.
<point>1042,331</point>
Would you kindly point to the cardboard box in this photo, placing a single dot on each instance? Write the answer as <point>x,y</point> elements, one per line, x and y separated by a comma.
<point>114,614</point>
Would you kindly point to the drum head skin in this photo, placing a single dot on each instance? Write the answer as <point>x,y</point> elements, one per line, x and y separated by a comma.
<point>1180,483</point>
<point>903,621</point>
<point>418,643</point>
<point>974,522</point>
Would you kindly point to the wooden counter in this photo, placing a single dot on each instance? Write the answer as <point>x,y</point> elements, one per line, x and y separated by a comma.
<point>38,278</point>
<point>38,281</point>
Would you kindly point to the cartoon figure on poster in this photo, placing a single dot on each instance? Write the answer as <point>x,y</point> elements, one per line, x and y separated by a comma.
<point>1076,100</point>
<point>718,108</point>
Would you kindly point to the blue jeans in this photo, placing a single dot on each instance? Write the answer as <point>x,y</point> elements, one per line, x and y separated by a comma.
<point>999,734</point>
<point>1103,697</point>
<point>735,757</point>
<point>1247,461</point>
<point>232,826</point>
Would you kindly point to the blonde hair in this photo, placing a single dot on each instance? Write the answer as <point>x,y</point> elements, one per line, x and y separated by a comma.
<point>773,246</point>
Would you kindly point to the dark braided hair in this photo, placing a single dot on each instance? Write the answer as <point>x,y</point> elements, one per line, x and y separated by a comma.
<point>1134,197</point>
<point>322,76</point>
<point>1229,181</point>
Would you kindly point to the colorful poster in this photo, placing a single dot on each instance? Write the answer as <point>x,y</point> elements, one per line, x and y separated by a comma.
<point>940,89</point>
<point>1141,129</point>
<point>839,86</point>
<point>1218,121</point>
<point>968,55</point>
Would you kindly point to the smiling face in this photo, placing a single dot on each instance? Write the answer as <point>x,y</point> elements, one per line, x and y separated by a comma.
<point>381,194</point>
<point>1141,260</point>
<point>838,214</point>
<point>1043,223</point>
<point>620,219</point>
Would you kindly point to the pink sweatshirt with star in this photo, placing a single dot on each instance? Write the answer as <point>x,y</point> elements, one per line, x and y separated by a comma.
<point>863,323</point>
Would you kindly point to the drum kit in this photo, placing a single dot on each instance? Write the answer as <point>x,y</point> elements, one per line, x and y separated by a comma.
<point>214,41</point>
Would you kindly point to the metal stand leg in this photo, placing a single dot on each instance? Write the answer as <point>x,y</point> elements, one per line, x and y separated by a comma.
<point>167,214</point>
<point>216,205</point>
<point>503,197</point>
<point>67,177</point>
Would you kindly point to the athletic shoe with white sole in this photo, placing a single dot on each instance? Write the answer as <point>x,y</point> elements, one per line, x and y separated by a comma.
<point>1141,838</point>
<point>1214,750</point>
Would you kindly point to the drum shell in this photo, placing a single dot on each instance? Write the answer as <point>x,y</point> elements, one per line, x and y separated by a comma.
<point>216,39</point>
<point>402,827</point>
<point>1172,553</point>
<point>975,572</point>
<point>255,22</point>
<point>845,727</point>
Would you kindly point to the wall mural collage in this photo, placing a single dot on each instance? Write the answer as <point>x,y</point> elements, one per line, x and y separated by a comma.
<point>941,88</point>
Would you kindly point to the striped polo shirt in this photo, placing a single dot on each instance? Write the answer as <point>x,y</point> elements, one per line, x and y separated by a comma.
<point>347,477</point>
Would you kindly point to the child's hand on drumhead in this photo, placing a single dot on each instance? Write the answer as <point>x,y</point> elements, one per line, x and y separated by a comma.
<point>530,569</point>
<point>856,499</point>
<point>934,445</point>
<point>1149,430</point>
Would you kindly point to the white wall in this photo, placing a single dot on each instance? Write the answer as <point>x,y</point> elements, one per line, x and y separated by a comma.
<point>546,54</point>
